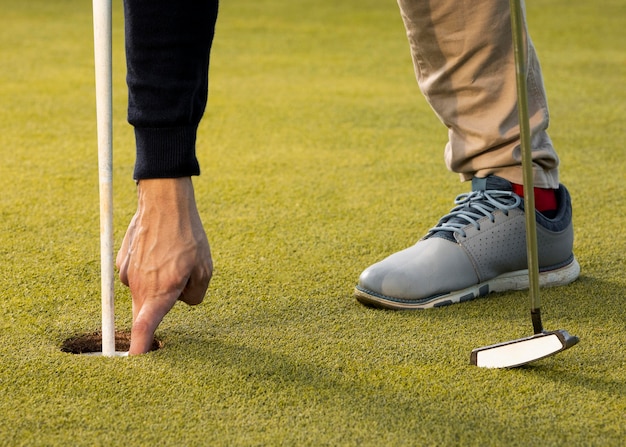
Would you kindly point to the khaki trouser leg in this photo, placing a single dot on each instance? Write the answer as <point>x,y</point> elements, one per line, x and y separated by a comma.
<point>463,56</point>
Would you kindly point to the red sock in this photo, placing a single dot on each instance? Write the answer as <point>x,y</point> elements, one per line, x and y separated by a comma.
<point>545,198</point>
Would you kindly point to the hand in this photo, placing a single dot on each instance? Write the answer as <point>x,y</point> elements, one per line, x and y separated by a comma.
<point>165,255</point>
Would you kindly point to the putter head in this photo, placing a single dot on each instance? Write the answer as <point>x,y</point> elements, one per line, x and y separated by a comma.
<point>510,354</point>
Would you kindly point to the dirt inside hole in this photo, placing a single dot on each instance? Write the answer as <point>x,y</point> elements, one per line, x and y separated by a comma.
<point>92,342</point>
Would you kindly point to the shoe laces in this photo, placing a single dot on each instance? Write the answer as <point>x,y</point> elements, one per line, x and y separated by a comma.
<point>473,206</point>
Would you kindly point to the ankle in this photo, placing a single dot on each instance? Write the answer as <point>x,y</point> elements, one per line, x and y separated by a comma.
<point>545,198</point>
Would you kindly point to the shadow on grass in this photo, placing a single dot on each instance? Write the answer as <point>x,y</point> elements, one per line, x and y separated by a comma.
<point>577,378</point>
<point>406,402</point>
<point>295,388</point>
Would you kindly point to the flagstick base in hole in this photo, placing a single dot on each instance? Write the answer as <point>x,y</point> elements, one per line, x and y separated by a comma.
<point>115,354</point>
<point>90,344</point>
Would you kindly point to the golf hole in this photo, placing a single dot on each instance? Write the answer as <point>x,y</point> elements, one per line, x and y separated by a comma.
<point>92,342</point>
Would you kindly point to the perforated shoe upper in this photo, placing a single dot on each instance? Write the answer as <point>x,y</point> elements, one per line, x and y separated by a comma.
<point>482,237</point>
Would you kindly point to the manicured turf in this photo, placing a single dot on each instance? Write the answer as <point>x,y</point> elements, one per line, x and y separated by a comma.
<point>319,157</point>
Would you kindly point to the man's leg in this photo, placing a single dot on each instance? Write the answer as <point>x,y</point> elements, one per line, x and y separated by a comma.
<point>464,62</point>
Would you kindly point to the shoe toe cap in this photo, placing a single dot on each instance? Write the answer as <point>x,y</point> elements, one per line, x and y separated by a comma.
<point>430,267</point>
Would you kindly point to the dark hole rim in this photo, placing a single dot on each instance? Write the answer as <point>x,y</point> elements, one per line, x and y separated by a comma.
<point>92,342</point>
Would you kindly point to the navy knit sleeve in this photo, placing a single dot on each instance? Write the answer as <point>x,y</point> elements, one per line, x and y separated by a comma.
<point>168,46</point>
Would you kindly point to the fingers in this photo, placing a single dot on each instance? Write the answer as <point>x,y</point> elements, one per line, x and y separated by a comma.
<point>149,310</point>
<point>142,337</point>
<point>197,285</point>
<point>201,270</point>
<point>145,323</point>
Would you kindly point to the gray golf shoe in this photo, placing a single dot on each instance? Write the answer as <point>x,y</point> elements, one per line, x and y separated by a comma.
<point>476,249</point>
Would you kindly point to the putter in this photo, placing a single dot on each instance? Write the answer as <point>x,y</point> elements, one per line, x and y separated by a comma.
<point>543,343</point>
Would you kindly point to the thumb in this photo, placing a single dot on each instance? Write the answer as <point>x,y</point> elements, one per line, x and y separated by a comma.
<point>122,258</point>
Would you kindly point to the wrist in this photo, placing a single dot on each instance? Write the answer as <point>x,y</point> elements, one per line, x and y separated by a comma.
<point>165,191</point>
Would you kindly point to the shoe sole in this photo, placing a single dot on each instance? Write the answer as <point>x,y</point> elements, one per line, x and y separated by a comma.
<point>517,280</point>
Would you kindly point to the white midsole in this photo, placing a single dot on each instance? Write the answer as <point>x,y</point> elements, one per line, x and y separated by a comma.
<point>517,280</point>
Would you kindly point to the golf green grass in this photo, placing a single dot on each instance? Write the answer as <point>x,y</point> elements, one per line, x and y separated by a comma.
<point>319,157</point>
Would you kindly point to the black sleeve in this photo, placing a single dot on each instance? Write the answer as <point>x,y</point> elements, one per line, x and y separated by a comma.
<point>168,44</point>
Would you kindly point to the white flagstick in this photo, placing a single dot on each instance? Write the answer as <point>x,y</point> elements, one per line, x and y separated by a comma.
<point>104,109</point>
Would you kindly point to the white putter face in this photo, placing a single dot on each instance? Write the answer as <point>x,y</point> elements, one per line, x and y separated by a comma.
<point>524,350</point>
